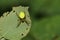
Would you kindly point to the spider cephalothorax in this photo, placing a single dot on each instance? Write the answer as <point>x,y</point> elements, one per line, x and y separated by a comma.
<point>22,18</point>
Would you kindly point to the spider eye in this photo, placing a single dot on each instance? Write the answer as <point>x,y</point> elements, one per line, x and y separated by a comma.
<point>22,15</point>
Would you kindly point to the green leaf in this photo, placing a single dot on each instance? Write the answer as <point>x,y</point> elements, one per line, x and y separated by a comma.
<point>9,22</point>
<point>51,7</point>
<point>46,28</point>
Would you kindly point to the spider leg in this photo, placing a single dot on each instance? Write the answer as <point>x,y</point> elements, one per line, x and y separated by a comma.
<point>26,22</point>
<point>18,20</point>
<point>17,15</point>
<point>3,38</point>
<point>19,23</point>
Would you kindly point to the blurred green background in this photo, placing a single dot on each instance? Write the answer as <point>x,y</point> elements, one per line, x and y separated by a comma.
<point>45,16</point>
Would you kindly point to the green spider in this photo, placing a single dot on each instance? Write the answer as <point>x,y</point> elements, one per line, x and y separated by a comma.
<point>22,18</point>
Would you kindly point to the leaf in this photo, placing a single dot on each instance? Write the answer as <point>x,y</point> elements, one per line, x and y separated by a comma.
<point>9,22</point>
<point>46,28</point>
<point>50,7</point>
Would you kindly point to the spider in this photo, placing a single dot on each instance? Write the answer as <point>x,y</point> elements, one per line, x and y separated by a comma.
<point>22,18</point>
